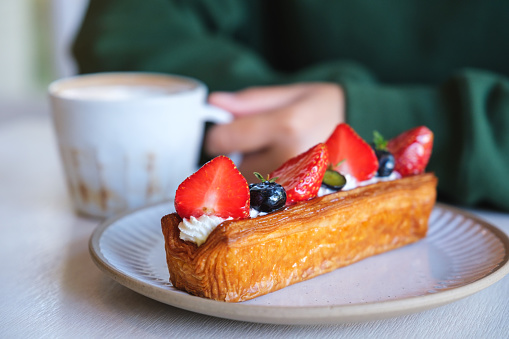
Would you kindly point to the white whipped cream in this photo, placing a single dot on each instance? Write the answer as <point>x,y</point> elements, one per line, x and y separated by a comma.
<point>254,213</point>
<point>352,183</point>
<point>197,230</point>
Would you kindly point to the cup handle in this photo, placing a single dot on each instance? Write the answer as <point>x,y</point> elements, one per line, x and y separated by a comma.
<point>212,116</point>
<point>216,115</point>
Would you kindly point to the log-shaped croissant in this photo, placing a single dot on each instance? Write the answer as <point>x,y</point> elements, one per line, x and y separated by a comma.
<point>244,259</point>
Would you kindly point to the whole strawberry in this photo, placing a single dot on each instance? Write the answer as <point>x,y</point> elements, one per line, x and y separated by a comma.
<point>350,154</point>
<point>301,176</point>
<point>217,188</point>
<point>411,150</point>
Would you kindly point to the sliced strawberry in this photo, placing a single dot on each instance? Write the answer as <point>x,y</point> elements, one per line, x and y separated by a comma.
<point>301,176</point>
<point>411,150</point>
<point>354,156</point>
<point>217,188</point>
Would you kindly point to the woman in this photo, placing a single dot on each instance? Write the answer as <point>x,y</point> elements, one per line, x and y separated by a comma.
<point>291,70</point>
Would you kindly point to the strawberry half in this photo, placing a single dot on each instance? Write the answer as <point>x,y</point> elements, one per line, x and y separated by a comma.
<point>217,188</point>
<point>411,150</point>
<point>301,176</point>
<point>355,156</point>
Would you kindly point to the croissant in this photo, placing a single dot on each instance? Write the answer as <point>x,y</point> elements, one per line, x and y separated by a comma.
<point>244,259</point>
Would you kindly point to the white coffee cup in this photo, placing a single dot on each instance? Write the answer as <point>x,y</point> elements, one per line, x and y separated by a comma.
<point>128,139</point>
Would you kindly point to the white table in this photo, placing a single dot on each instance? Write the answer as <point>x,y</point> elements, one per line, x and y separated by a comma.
<point>49,286</point>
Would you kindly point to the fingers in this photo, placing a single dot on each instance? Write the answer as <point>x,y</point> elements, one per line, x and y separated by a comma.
<point>248,134</point>
<point>269,129</point>
<point>285,132</point>
<point>256,99</point>
<point>257,123</point>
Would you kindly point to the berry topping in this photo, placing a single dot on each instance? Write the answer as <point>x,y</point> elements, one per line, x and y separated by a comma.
<point>267,196</point>
<point>385,158</point>
<point>333,180</point>
<point>354,155</point>
<point>386,163</point>
<point>411,150</point>
<point>301,176</point>
<point>217,188</point>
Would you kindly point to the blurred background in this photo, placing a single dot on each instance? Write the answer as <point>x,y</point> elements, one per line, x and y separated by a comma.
<point>35,38</point>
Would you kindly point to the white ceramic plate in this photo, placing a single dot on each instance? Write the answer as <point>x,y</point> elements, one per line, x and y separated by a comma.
<point>460,256</point>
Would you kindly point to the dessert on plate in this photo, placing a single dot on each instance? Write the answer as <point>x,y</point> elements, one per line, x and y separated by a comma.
<point>335,204</point>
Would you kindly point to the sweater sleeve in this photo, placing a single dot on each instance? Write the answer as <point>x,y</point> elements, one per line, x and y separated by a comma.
<point>469,115</point>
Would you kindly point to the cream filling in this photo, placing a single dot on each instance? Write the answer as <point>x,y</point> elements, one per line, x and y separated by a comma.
<point>352,183</point>
<point>254,213</point>
<point>197,230</point>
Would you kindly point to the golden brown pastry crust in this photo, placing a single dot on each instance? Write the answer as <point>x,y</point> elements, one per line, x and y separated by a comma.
<point>244,259</point>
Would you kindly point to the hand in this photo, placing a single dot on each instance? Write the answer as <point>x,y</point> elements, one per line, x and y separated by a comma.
<point>273,124</point>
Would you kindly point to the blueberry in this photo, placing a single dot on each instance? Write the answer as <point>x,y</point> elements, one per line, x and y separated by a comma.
<point>385,163</point>
<point>385,158</point>
<point>267,196</point>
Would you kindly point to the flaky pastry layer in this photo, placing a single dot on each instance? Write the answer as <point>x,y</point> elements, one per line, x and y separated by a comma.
<point>244,259</point>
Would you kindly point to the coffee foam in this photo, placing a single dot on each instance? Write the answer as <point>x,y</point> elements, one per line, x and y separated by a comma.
<point>118,87</point>
<point>119,92</point>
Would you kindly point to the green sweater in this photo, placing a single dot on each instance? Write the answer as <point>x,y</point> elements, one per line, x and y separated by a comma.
<point>439,63</point>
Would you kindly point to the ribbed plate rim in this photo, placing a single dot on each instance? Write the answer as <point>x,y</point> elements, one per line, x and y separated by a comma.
<point>309,315</point>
